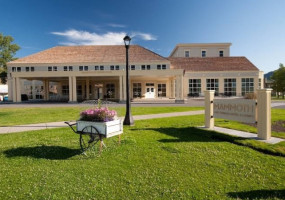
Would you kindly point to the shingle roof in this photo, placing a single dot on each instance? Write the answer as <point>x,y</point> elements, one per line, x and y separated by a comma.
<point>93,54</point>
<point>212,64</point>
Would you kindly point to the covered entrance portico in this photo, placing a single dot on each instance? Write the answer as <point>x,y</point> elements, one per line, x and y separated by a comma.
<point>73,86</point>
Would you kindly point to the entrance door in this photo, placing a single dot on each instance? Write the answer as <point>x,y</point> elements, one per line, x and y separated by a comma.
<point>98,91</point>
<point>149,92</point>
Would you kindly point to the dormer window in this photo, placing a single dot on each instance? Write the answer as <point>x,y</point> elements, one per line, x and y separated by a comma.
<point>187,54</point>
<point>85,68</point>
<point>49,69</point>
<point>163,67</point>
<point>32,69</point>
<point>54,68</point>
<point>143,67</point>
<point>70,68</point>
<point>148,67</point>
<point>65,68</point>
<point>133,67</point>
<point>101,67</point>
<point>204,52</point>
<point>117,67</point>
<point>112,67</point>
<point>221,53</point>
<point>96,67</point>
<point>158,67</point>
<point>80,68</point>
<point>27,69</point>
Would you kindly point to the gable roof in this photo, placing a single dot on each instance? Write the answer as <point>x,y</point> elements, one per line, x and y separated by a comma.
<point>212,64</point>
<point>92,54</point>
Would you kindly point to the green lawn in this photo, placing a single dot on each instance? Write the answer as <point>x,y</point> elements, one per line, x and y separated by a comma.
<point>20,116</point>
<point>158,159</point>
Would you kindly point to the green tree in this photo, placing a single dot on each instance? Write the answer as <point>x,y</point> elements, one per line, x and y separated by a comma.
<point>278,78</point>
<point>7,53</point>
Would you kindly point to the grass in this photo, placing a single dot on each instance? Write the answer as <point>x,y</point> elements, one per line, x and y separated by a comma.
<point>20,116</point>
<point>277,99</point>
<point>157,159</point>
<point>276,115</point>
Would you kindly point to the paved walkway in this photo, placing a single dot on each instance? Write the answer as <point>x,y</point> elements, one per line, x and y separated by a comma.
<point>31,127</point>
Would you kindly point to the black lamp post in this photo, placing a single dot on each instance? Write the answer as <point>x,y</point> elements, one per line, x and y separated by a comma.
<point>128,118</point>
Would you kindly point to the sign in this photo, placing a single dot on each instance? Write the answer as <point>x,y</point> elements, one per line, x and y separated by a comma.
<point>242,110</point>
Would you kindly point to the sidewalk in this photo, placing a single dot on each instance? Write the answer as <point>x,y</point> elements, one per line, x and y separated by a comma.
<point>41,126</point>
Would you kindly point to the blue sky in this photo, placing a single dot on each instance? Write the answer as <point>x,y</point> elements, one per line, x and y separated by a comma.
<point>256,28</point>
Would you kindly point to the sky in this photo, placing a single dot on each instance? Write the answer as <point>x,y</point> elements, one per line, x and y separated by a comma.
<point>256,28</point>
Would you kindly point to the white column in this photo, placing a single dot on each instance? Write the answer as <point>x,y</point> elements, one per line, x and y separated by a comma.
<point>10,89</point>
<point>46,85</point>
<point>74,89</point>
<point>14,90</point>
<point>173,88</point>
<point>179,98</point>
<point>87,89</point>
<point>238,86</point>
<point>124,88</point>
<point>264,113</point>
<point>221,85</point>
<point>18,90</point>
<point>70,88</point>
<point>121,87</point>
<point>209,108</point>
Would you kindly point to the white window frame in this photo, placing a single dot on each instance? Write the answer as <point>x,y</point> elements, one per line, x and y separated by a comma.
<point>223,53</point>
<point>202,53</point>
<point>187,50</point>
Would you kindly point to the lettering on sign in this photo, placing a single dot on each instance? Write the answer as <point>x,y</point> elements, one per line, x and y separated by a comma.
<point>242,110</point>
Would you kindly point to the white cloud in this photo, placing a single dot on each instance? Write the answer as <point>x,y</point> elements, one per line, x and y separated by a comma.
<point>76,37</point>
<point>117,25</point>
<point>144,36</point>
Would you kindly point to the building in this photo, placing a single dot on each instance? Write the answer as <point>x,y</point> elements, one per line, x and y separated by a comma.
<point>77,73</point>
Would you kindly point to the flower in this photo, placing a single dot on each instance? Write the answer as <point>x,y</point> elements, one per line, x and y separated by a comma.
<point>98,114</point>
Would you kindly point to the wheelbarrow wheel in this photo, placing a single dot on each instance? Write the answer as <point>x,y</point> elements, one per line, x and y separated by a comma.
<point>89,136</point>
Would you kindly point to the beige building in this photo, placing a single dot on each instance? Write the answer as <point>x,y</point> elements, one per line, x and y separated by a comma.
<point>77,73</point>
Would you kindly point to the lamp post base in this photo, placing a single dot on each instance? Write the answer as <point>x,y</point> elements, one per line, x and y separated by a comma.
<point>129,120</point>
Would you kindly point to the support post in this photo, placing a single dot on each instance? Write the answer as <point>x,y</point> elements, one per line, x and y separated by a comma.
<point>121,88</point>
<point>87,89</point>
<point>74,89</point>
<point>209,109</point>
<point>70,88</point>
<point>264,113</point>
<point>18,89</point>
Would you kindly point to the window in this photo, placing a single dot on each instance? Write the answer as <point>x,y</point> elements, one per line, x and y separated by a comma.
<point>80,68</point>
<point>65,90</point>
<point>259,83</point>
<point>203,53</point>
<point>112,67</point>
<point>110,89</point>
<point>85,68</point>
<point>163,67</point>
<point>213,84</point>
<point>96,67</point>
<point>49,69</point>
<point>13,69</point>
<point>143,67</point>
<point>161,89</point>
<point>194,87</point>
<point>65,68</point>
<point>101,67</point>
<point>27,69</point>
<point>221,53</point>
<point>247,85</point>
<point>230,87</point>
<point>148,67</point>
<point>32,69</point>
<point>133,67</point>
<point>137,90</point>
<point>158,67</point>
<point>187,54</point>
<point>18,69</point>
<point>70,68</point>
<point>54,68</point>
<point>117,67</point>
<point>149,84</point>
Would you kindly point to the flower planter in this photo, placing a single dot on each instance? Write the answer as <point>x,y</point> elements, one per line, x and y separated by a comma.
<point>108,129</point>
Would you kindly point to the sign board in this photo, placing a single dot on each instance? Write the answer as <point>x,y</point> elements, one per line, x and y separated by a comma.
<point>242,110</point>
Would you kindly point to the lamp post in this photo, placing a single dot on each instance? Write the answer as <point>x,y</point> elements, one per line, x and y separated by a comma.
<point>128,117</point>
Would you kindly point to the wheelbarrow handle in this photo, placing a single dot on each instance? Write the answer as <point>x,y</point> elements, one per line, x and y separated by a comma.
<point>71,126</point>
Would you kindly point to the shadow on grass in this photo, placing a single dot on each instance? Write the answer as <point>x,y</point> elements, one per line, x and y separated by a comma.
<point>193,134</point>
<point>46,152</point>
<point>258,194</point>
<point>185,134</point>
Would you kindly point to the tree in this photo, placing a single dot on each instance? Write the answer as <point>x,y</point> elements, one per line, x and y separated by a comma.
<point>7,53</point>
<point>278,78</point>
